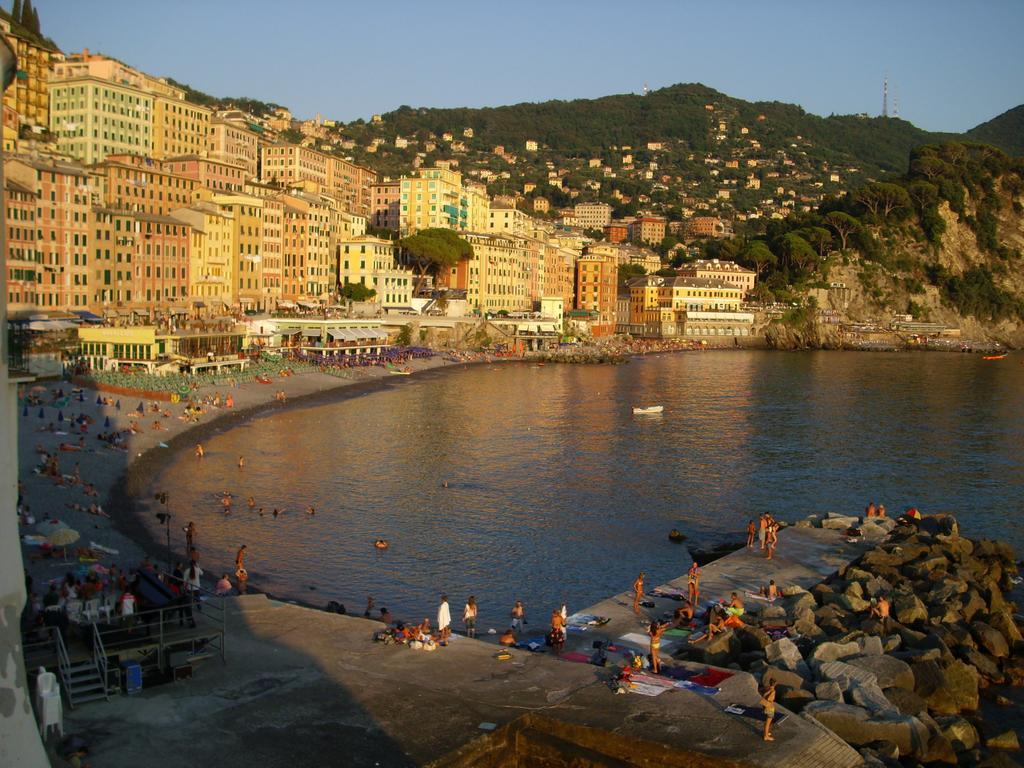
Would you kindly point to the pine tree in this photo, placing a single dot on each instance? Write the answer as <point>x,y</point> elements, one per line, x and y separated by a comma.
<point>35,21</point>
<point>28,20</point>
<point>16,11</point>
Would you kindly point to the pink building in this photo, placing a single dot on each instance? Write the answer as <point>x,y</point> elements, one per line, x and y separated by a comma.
<point>212,174</point>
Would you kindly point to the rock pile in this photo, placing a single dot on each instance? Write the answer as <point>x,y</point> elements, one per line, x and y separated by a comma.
<point>909,687</point>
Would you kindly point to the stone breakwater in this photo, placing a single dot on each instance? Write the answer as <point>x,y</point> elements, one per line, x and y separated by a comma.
<point>906,689</point>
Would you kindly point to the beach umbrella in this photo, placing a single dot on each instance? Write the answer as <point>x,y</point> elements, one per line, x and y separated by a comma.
<point>141,408</point>
<point>106,423</point>
<point>913,513</point>
<point>60,417</point>
<point>118,405</point>
<point>62,537</point>
<point>47,527</point>
<point>42,413</point>
<point>99,400</point>
<point>81,397</point>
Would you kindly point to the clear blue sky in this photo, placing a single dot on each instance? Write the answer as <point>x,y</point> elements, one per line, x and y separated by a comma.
<point>951,64</point>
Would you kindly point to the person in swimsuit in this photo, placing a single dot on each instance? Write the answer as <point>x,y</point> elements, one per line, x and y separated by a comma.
<point>638,592</point>
<point>768,702</point>
<point>751,534</point>
<point>693,582</point>
<point>656,630</point>
<point>518,616</point>
<point>469,616</point>
<point>557,635</point>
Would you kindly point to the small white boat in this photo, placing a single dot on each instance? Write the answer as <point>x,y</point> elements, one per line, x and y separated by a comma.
<point>645,410</point>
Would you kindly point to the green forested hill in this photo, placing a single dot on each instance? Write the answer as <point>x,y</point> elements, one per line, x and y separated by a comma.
<point>1005,131</point>
<point>677,112</point>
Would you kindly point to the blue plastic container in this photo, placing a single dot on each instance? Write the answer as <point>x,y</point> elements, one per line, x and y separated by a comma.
<point>131,677</point>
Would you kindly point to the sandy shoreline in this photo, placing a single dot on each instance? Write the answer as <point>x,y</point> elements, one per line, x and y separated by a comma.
<point>122,478</point>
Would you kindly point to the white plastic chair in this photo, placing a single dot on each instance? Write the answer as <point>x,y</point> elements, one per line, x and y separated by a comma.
<point>74,609</point>
<point>91,609</point>
<point>48,703</point>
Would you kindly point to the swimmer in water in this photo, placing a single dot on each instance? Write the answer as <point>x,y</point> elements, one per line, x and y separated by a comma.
<point>275,513</point>
<point>241,462</point>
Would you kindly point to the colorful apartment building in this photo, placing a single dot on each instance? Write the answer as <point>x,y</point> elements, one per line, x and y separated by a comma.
<point>616,231</point>
<point>385,205</point>
<point>26,101</point>
<point>232,140</point>
<point>663,307</point>
<point>215,175</point>
<point>592,215</point>
<point>93,118</point>
<point>648,229</point>
<point>63,194</point>
<point>432,199</point>
<point>505,219</point>
<point>246,212</point>
<point>140,264</point>
<point>498,275</point>
<point>211,257</point>
<point>179,127</point>
<point>707,226</point>
<point>22,267</point>
<point>371,261</point>
<point>308,262</point>
<point>726,271</point>
<point>135,183</point>
<point>596,277</point>
<point>272,251</point>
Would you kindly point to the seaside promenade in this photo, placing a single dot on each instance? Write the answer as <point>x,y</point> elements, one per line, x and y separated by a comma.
<point>305,687</point>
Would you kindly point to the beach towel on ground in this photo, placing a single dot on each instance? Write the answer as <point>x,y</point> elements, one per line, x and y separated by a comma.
<point>711,677</point>
<point>646,690</point>
<point>535,644</point>
<point>689,685</point>
<point>575,656</point>
<point>679,632</point>
<point>677,673</point>
<point>651,679</point>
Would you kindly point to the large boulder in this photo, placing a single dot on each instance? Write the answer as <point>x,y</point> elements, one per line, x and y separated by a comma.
<point>834,651</point>
<point>871,697</point>
<point>857,726</point>
<point>986,666</point>
<point>795,603</point>
<point>907,702</point>
<point>839,522</point>
<point>945,590</point>
<point>889,671</point>
<point>829,691</point>
<point>752,638</point>
<point>795,699</point>
<point>784,653</point>
<point>876,586</point>
<point>846,675</point>
<point>721,650</point>
<point>1005,740</point>
<point>908,608</point>
<point>948,690</point>
<point>1003,622</point>
<point>971,604</point>
<point>782,677</point>
<point>848,600</point>
<point>871,645</point>
<point>961,734</point>
<point>808,628</point>
<point>990,639</point>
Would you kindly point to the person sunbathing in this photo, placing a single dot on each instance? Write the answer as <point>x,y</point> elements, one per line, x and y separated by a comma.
<point>508,637</point>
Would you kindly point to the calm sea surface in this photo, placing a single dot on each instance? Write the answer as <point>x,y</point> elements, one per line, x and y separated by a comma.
<point>556,492</point>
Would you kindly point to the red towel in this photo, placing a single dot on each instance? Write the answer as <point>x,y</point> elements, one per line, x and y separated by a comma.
<point>711,677</point>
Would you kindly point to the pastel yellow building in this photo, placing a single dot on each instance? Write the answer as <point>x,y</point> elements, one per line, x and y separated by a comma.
<point>498,276</point>
<point>211,250</point>
<point>371,261</point>
<point>727,271</point>
<point>307,257</point>
<point>685,306</point>
<point>432,199</point>
<point>247,239</point>
<point>179,127</point>
<point>232,140</point>
<point>26,100</point>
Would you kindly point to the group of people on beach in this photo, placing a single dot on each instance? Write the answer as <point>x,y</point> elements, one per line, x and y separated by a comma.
<point>766,532</point>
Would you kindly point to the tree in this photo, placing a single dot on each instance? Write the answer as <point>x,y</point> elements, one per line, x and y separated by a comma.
<point>798,251</point>
<point>16,11</point>
<point>29,20</point>
<point>433,250</point>
<point>883,198</point>
<point>357,292</point>
<point>818,237</point>
<point>843,224</point>
<point>628,271</point>
<point>758,255</point>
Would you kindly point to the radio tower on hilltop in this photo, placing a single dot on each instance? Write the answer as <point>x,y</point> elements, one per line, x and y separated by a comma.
<point>885,97</point>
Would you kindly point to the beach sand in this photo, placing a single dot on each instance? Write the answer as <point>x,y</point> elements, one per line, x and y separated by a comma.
<point>119,475</point>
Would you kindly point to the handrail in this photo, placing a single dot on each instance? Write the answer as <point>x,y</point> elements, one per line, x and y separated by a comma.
<point>100,657</point>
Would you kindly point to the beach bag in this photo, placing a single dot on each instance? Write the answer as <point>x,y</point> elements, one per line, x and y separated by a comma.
<point>416,645</point>
<point>430,645</point>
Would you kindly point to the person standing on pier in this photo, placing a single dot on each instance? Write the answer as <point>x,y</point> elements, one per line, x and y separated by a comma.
<point>444,620</point>
<point>469,616</point>
<point>751,534</point>
<point>638,592</point>
<point>518,616</point>
<point>190,537</point>
<point>693,583</point>
<point>656,630</point>
<point>762,528</point>
<point>240,558</point>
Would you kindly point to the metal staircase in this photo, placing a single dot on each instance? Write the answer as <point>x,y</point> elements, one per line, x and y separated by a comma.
<point>84,680</point>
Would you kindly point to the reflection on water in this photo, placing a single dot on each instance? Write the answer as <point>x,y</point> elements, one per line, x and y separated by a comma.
<point>556,492</point>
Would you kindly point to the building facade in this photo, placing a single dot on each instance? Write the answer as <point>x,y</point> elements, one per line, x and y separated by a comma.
<point>592,215</point>
<point>371,261</point>
<point>596,278</point>
<point>725,271</point>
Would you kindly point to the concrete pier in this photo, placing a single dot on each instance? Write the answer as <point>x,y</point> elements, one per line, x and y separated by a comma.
<point>302,687</point>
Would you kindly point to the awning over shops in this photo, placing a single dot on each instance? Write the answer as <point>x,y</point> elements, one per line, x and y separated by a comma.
<point>310,333</point>
<point>198,303</point>
<point>88,316</point>
<point>286,304</point>
<point>308,305</point>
